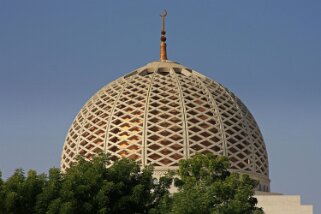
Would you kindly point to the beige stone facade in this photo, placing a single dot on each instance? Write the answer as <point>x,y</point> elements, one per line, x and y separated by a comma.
<point>282,204</point>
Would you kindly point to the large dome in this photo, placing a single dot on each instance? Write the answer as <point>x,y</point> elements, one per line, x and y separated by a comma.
<point>164,112</point>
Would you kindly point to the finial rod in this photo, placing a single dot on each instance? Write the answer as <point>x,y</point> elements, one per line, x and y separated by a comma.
<point>163,19</point>
<point>163,53</point>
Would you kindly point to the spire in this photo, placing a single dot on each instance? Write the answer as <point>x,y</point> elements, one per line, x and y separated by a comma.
<point>163,53</point>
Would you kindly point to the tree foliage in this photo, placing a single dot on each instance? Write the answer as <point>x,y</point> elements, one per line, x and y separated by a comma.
<point>87,187</point>
<point>204,186</point>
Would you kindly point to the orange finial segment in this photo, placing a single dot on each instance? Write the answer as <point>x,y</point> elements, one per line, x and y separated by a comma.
<point>163,53</point>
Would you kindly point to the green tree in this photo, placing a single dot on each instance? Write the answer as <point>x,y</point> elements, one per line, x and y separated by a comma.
<point>206,186</point>
<point>18,193</point>
<point>50,192</point>
<point>87,187</point>
<point>1,193</point>
<point>91,187</point>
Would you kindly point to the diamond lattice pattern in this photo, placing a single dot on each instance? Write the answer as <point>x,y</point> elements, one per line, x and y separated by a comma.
<point>164,112</point>
<point>165,144</point>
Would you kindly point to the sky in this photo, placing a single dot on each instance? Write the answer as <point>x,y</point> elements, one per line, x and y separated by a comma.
<point>54,55</point>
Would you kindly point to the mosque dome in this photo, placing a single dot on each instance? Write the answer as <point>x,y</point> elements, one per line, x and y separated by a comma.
<point>164,112</point>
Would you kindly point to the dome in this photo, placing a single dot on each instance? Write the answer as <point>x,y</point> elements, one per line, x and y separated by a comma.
<point>164,112</point>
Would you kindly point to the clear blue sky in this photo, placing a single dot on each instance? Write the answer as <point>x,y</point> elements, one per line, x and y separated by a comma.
<point>54,55</point>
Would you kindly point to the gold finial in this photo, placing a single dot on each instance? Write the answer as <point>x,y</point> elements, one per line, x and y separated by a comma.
<point>163,54</point>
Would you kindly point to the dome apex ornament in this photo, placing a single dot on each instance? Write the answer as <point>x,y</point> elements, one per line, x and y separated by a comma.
<point>163,52</point>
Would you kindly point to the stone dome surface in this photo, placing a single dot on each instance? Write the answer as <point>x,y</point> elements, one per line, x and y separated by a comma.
<point>164,112</point>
